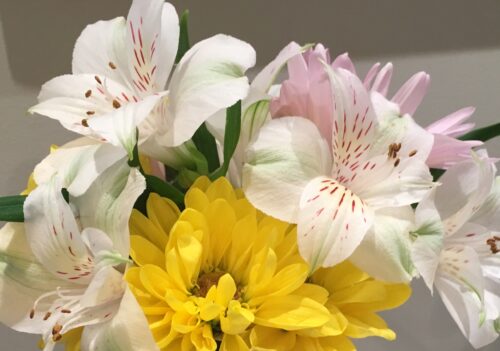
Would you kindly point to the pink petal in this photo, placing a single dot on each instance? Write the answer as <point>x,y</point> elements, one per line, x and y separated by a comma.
<point>344,61</point>
<point>383,79</point>
<point>371,75</point>
<point>451,125</point>
<point>411,94</point>
<point>448,151</point>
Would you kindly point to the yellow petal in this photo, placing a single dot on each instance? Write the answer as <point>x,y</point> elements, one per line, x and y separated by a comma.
<point>226,288</point>
<point>196,199</point>
<point>144,252</point>
<point>233,343</point>
<point>142,226</point>
<point>221,220</point>
<point>221,189</point>
<point>162,211</point>
<point>236,319</point>
<point>271,338</point>
<point>201,183</point>
<point>203,339</point>
<point>291,313</point>
<point>313,291</point>
<point>337,343</point>
<point>184,322</point>
<point>155,280</point>
<point>367,324</point>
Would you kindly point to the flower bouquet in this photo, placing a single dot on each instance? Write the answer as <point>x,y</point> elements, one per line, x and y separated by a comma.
<point>199,211</point>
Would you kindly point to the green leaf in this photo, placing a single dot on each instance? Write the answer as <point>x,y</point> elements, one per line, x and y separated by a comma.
<point>162,188</point>
<point>437,173</point>
<point>231,138</point>
<point>134,161</point>
<point>183,37</point>
<point>11,208</point>
<point>205,143</point>
<point>483,134</point>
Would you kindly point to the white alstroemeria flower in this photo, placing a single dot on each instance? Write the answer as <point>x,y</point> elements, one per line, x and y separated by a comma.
<point>255,109</point>
<point>120,72</point>
<point>338,188</point>
<point>457,244</point>
<point>60,270</point>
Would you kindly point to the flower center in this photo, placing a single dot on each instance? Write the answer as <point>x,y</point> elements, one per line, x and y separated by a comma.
<point>205,282</point>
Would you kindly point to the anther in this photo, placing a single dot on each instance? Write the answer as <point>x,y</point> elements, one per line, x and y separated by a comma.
<point>112,65</point>
<point>57,328</point>
<point>65,311</point>
<point>396,163</point>
<point>56,337</point>
<point>412,153</point>
<point>88,93</point>
<point>32,314</point>
<point>116,104</point>
<point>85,123</point>
<point>47,316</point>
<point>90,113</point>
<point>98,80</point>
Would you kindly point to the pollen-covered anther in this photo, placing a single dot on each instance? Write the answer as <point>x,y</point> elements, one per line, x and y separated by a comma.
<point>393,150</point>
<point>396,163</point>
<point>88,93</point>
<point>47,316</point>
<point>85,123</point>
<point>116,104</point>
<point>65,311</point>
<point>98,80</point>
<point>112,65</point>
<point>56,337</point>
<point>492,243</point>
<point>56,329</point>
<point>412,153</point>
<point>90,113</point>
<point>32,314</point>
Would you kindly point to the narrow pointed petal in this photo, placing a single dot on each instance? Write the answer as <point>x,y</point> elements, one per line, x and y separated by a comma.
<point>152,37</point>
<point>370,76</point>
<point>127,331</point>
<point>210,77</point>
<point>385,252</point>
<point>448,151</point>
<point>54,235</point>
<point>332,222</point>
<point>345,62</point>
<point>452,125</point>
<point>108,203</point>
<point>383,79</point>
<point>488,214</point>
<point>287,153</point>
<point>411,94</point>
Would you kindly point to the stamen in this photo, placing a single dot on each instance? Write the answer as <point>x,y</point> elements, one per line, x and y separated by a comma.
<point>56,329</point>
<point>412,153</point>
<point>32,313</point>
<point>85,123</point>
<point>47,316</point>
<point>116,104</point>
<point>90,113</point>
<point>65,311</point>
<point>57,337</point>
<point>112,65</point>
<point>98,80</point>
<point>88,93</point>
<point>397,162</point>
<point>492,243</point>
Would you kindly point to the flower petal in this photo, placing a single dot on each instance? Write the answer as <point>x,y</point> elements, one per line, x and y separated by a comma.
<point>54,235</point>
<point>332,222</point>
<point>152,37</point>
<point>127,331</point>
<point>209,77</point>
<point>108,203</point>
<point>383,79</point>
<point>22,280</point>
<point>448,151</point>
<point>287,153</point>
<point>385,252</point>
<point>451,125</point>
<point>411,94</point>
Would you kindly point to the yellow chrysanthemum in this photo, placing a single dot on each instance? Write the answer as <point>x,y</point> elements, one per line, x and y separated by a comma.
<point>221,275</point>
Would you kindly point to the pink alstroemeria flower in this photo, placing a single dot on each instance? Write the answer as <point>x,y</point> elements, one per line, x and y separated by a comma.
<point>306,92</point>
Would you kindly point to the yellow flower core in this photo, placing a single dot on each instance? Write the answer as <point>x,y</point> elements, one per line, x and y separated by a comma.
<point>223,276</point>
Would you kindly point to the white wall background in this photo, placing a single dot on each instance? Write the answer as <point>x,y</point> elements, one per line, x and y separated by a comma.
<point>459,78</point>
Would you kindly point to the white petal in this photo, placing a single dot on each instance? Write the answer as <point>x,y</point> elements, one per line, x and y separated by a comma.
<point>152,37</point>
<point>488,214</point>
<point>465,187</point>
<point>332,222</point>
<point>466,310</point>
<point>75,100</point>
<point>96,240</point>
<point>265,78</point>
<point>78,163</point>
<point>22,280</point>
<point>427,247</point>
<point>106,286</point>
<point>127,331</point>
<point>119,127</point>
<point>54,235</point>
<point>108,203</point>
<point>100,50</point>
<point>286,155</point>
<point>209,77</point>
<point>385,251</point>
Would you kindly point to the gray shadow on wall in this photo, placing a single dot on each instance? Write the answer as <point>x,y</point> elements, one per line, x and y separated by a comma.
<point>40,34</point>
